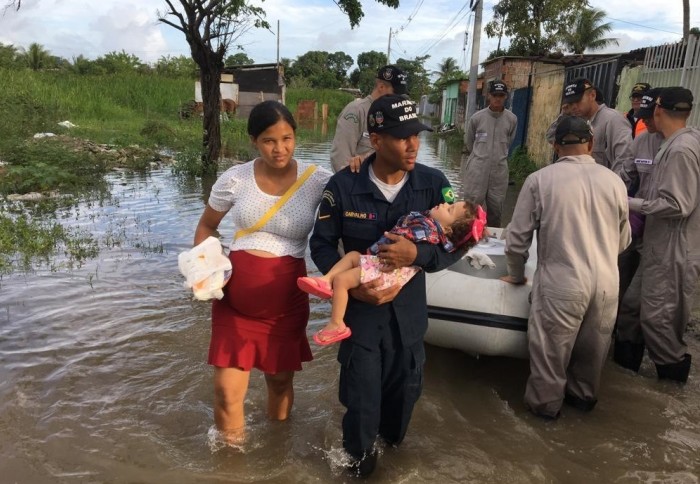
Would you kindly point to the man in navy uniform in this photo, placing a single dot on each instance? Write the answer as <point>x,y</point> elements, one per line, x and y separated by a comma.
<point>381,374</point>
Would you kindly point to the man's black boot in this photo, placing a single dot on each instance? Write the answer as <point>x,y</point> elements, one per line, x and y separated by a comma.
<point>365,466</point>
<point>628,355</point>
<point>583,404</point>
<point>675,371</point>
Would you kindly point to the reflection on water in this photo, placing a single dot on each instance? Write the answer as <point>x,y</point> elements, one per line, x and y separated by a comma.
<point>103,379</point>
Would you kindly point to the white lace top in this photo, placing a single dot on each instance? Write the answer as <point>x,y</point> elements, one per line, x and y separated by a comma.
<point>286,233</point>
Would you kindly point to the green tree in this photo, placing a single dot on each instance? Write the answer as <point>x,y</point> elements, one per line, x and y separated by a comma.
<point>36,57</point>
<point>239,59</point>
<point>535,27</point>
<point>179,66</point>
<point>322,69</point>
<point>589,32</point>
<point>418,78</point>
<point>448,70</point>
<point>368,63</point>
<point>10,56</point>
<point>210,27</point>
<point>116,62</point>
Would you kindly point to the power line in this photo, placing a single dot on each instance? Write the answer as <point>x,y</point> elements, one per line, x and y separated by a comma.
<point>643,26</point>
<point>452,24</point>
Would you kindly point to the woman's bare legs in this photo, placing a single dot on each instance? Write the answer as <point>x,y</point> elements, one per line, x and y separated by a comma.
<point>280,394</point>
<point>230,387</point>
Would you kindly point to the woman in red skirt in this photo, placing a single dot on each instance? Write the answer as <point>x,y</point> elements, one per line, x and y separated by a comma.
<point>261,320</point>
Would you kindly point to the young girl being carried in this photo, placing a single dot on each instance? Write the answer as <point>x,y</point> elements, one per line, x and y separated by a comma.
<point>453,226</point>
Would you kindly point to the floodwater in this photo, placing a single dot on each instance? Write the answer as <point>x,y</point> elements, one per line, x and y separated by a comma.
<point>103,380</point>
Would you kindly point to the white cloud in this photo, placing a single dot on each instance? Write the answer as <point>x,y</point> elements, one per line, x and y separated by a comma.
<point>94,28</point>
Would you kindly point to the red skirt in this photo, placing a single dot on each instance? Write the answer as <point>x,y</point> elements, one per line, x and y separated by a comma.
<point>261,320</point>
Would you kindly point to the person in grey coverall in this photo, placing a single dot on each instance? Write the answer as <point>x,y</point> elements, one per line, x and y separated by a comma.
<point>484,167</point>
<point>351,143</point>
<point>670,264</point>
<point>612,137</point>
<point>579,210</point>
<point>637,175</point>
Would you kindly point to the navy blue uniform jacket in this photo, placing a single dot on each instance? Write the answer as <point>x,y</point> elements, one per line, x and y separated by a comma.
<point>355,211</point>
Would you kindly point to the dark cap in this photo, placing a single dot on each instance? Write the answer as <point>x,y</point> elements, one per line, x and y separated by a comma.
<point>498,87</point>
<point>675,99</point>
<point>573,91</point>
<point>573,130</point>
<point>639,89</point>
<point>648,103</point>
<point>395,116</point>
<point>396,77</point>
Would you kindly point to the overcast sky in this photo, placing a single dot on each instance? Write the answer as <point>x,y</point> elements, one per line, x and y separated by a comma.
<point>68,28</point>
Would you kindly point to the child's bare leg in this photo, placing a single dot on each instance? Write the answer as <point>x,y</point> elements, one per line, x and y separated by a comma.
<point>342,283</point>
<point>347,262</point>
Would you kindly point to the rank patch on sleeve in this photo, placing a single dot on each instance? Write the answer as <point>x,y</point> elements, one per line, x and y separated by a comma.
<point>448,194</point>
<point>328,197</point>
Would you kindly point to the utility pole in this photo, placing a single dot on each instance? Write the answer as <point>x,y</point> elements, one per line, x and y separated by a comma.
<point>388,49</point>
<point>278,42</point>
<point>477,6</point>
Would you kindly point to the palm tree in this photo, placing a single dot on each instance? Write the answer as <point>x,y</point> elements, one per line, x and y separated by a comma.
<point>446,68</point>
<point>589,32</point>
<point>36,56</point>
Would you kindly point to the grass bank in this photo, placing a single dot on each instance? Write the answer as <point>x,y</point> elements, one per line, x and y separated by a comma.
<point>121,120</point>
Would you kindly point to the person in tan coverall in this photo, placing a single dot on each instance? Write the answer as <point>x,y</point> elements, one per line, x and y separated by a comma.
<point>579,210</point>
<point>670,264</point>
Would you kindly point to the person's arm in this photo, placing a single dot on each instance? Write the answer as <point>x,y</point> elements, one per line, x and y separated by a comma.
<point>469,136</point>
<point>520,231</point>
<point>619,143</point>
<point>513,130</point>
<point>327,229</point>
<point>627,169</point>
<point>677,187</point>
<point>347,135</point>
<point>551,131</point>
<point>208,224</point>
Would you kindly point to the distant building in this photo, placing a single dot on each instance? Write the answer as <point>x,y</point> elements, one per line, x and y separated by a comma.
<point>242,87</point>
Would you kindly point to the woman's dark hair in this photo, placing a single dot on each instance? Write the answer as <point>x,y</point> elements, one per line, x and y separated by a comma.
<point>266,114</point>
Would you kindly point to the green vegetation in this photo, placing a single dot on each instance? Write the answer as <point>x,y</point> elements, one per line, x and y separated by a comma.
<point>26,243</point>
<point>520,165</point>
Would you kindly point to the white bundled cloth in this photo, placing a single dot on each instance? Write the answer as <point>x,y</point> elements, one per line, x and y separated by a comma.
<point>206,269</point>
<point>479,260</point>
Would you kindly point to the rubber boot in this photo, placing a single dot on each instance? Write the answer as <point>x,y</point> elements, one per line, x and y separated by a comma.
<point>365,466</point>
<point>583,404</point>
<point>628,355</point>
<point>675,371</point>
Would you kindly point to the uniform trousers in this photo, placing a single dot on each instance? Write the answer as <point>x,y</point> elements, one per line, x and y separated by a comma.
<point>379,386</point>
<point>568,336</point>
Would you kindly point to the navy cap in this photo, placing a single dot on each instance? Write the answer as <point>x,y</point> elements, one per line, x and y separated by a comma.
<point>648,103</point>
<point>395,116</point>
<point>573,91</point>
<point>497,87</point>
<point>639,89</point>
<point>396,77</point>
<point>675,99</point>
<point>573,130</point>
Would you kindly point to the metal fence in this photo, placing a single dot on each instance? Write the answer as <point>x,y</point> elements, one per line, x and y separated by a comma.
<point>676,65</point>
<point>603,75</point>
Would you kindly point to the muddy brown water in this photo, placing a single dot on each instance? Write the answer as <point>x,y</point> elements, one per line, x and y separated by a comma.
<point>103,380</point>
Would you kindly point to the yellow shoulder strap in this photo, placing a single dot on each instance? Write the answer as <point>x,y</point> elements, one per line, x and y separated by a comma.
<point>278,204</point>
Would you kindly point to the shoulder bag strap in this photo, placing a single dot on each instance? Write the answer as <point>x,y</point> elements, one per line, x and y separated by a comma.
<point>278,204</point>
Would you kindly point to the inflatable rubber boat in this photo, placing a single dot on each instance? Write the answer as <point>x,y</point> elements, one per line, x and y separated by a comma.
<point>471,310</point>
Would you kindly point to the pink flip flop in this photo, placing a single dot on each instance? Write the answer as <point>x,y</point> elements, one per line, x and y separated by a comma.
<point>325,337</point>
<point>316,286</point>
